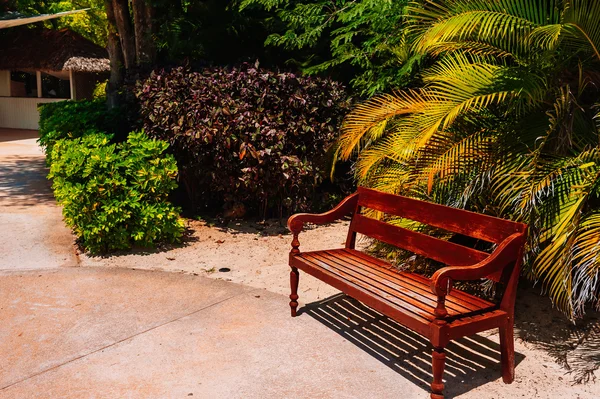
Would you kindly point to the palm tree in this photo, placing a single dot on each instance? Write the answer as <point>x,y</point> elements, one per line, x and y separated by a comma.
<point>506,122</point>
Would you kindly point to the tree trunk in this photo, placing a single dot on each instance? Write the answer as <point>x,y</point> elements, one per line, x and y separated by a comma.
<point>125,29</point>
<point>143,15</point>
<point>115,55</point>
<point>130,44</point>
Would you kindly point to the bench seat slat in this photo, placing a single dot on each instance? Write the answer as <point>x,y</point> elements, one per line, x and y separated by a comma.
<point>418,243</point>
<point>381,305</point>
<point>416,291</point>
<point>412,281</point>
<point>419,305</point>
<point>381,291</point>
<point>458,296</point>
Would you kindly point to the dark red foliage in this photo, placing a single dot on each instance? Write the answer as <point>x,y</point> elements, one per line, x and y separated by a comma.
<point>245,135</point>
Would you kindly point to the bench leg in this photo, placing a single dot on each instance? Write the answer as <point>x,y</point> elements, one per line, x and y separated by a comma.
<point>507,351</point>
<point>438,361</point>
<point>294,278</point>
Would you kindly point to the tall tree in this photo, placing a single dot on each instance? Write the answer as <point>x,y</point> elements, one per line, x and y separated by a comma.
<point>131,45</point>
<point>116,58</point>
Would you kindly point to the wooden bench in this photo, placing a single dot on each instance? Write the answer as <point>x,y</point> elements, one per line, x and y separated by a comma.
<point>428,306</point>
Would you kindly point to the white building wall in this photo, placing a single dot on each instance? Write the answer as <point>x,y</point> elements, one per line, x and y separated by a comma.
<point>21,112</point>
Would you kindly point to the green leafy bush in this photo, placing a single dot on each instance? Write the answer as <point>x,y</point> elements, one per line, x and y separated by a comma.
<point>72,119</point>
<point>245,135</point>
<point>115,195</point>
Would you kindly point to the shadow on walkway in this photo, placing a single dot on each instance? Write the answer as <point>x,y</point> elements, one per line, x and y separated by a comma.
<point>23,182</point>
<point>470,362</point>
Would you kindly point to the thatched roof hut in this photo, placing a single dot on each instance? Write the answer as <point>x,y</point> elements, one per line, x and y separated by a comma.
<point>46,49</point>
<point>40,65</point>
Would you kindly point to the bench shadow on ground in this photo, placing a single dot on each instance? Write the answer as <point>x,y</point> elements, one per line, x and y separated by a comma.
<point>23,182</point>
<point>471,361</point>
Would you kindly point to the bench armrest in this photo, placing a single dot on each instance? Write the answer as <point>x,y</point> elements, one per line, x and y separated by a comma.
<point>347,206</point>
<point>296,222</point>
<point>508,251</point>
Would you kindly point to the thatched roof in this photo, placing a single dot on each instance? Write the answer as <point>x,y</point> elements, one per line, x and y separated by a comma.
<point>57,50</point>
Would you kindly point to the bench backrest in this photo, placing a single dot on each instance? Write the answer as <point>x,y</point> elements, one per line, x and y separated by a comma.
<point>483,227</point>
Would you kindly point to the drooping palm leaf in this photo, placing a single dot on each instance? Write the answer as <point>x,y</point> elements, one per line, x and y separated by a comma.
<point>504,123</point>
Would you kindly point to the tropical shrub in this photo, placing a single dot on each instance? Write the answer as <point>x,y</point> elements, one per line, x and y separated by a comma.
<point>72,119</point>
<point>245,136</point>
<point>115,195</point>
<point>506,123</point>
<point>362,41</point>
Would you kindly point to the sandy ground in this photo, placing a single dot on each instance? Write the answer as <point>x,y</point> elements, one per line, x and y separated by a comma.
<point>253,254</point>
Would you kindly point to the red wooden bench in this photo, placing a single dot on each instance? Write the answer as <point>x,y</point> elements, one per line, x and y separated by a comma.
<point>428,306</point>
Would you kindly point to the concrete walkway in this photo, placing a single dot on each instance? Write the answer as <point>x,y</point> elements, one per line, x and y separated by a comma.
<point>97,332</point>
<point>33,233</point>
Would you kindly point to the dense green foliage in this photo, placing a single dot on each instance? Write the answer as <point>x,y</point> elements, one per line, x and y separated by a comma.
<point>506,123</point>
<point>115,195</point>
<point>73,119</point>
<point>497,110</point>
<point>245,134</point>
<point>362,41</point>
<point>209,32</point>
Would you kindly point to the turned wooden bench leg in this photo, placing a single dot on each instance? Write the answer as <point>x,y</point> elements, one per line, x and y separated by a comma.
<point>507,351</point>
<point>438,362</point>
<point>294,278</point>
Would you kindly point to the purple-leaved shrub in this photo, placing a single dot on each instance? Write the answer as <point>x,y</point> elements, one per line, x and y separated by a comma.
<point>245,135</point>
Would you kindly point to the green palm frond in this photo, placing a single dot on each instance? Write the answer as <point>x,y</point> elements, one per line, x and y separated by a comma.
<point>586,258</point>
<point>500,23</point>
<point>399,145</point>
<point>581,19</point>
<point>554,263</point>
<point>364,123</point>
<point>444,158</point>
<point>470,47</point>
<point>505,121</point>
<point>454,86</point>
<point>547,36</point>
<point>393,178</point>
